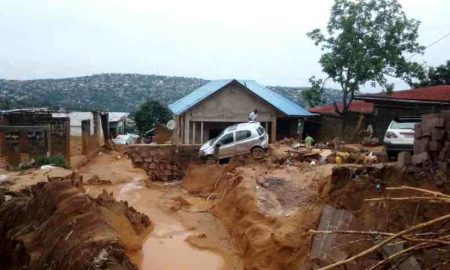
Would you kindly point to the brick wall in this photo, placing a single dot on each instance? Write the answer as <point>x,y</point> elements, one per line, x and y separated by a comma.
<point>27,134</point>
<point>163,162</point>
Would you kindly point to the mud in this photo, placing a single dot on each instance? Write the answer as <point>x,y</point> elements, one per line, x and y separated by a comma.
<point>55,225</point>
<point>185,235</point>
<point>267,212</point>
<point>244,215</point>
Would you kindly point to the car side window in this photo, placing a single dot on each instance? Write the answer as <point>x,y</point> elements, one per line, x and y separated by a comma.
<point>243,134</point>
<point>227,139</point>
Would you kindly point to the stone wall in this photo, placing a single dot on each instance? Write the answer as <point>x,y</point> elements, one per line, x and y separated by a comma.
<point>163,162</point>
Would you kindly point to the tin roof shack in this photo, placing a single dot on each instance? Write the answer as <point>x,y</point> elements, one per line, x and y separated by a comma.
<point>205,112</point>
<point>30,133</point>
<point>378,110</point>
<point>117,123</point>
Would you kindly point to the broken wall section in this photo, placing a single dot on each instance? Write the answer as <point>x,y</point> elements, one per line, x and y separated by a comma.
<point>28,134</point>
<point>163,162</point>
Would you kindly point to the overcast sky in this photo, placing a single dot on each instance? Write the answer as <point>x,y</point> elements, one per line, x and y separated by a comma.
<point>248,39</point>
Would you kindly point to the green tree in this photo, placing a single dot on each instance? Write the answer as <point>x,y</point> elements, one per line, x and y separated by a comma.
<point>367,41</point>
<point>313,95</point>
<point>151,112</point>
<point>435,76</point>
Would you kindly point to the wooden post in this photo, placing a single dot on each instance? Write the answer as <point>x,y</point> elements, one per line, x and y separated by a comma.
<point>266,125</point>
<point>274,131</point>
<point>201,132</point>
<point>193,132</point>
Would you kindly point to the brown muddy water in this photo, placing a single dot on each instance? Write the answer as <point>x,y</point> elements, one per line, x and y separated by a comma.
<point>165,247</point>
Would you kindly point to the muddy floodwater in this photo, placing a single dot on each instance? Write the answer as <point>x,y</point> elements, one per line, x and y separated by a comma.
<point>165,247</point>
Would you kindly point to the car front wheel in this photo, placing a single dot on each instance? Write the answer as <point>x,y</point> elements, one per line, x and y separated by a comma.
<point>257,153</point>
<point>210,160</point>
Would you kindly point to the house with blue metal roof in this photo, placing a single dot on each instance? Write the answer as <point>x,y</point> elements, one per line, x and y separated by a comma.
<point>205,112</point>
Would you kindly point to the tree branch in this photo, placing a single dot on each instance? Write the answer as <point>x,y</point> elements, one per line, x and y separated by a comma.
<point>403,253</point>
<point>382,243</point>
<point>430,199</point>
<point>377,233</point>
<point>435,193</point>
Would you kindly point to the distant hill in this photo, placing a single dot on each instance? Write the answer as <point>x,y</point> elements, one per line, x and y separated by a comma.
<point>116,92</point>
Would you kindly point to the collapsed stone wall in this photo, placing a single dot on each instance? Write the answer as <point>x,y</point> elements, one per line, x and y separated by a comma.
<point>163,162</point>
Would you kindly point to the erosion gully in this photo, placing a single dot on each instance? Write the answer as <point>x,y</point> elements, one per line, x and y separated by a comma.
<point>165,247</point>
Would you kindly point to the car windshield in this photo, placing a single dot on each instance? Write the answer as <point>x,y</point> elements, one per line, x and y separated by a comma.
<point>213,140</point>
<point>403,125</point>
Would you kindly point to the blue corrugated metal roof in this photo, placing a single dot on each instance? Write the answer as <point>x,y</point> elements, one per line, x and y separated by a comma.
<point>281,103</point>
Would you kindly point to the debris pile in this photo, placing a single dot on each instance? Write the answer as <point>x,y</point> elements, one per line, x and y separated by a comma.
<point>380,217</point>
<point>432,142</point>
<point>55,225</point>
<point>296,153</point>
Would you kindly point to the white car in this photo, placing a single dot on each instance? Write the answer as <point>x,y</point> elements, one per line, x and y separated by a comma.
<point>237,139</point>
<point>400,135</point>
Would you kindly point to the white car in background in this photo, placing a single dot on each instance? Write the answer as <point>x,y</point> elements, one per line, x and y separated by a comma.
<point>237,139</point>
<point>400,135</point>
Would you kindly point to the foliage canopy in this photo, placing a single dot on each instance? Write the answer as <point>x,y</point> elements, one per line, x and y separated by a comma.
<point>367,41</point>
<point>150,113</point>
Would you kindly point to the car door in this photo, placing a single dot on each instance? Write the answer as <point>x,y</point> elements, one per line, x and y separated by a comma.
<point>244,141</point>
<point>226,145</point>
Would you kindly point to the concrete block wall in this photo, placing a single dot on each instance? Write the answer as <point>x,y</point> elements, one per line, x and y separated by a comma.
<point>163,162</point>
<point>432,141</point>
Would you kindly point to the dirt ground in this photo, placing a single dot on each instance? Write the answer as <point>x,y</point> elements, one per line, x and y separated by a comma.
<point>183,227</point>
<point>251,214</point>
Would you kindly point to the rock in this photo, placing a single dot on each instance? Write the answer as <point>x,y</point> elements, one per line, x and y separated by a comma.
<point>420,158</point>
<point>404,159</point>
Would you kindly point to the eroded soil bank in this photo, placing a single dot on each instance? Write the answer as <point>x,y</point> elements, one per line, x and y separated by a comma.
<point>270,210</point>
<point>185,235</point>
<point>55,225</point>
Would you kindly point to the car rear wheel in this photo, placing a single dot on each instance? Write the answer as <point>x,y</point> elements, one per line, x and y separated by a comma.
<point>257,153</point>
<point>210,160</point>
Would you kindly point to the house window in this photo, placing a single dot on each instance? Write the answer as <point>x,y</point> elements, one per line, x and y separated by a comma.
<point>243,134</point>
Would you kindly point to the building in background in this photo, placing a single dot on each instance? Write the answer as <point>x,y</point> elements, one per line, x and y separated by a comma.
<point>117,123</point>
<point>205,112</point>
<point>30,133</point>
<point>378,110</point>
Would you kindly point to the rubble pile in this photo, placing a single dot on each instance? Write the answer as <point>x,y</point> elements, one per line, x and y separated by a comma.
<point>56,225</point>
<point>366,204</point>
<point>296,153</point>
<point>432,142</point>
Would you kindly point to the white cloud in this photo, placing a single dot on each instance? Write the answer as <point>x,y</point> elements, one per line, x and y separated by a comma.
<point>262,40</point>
